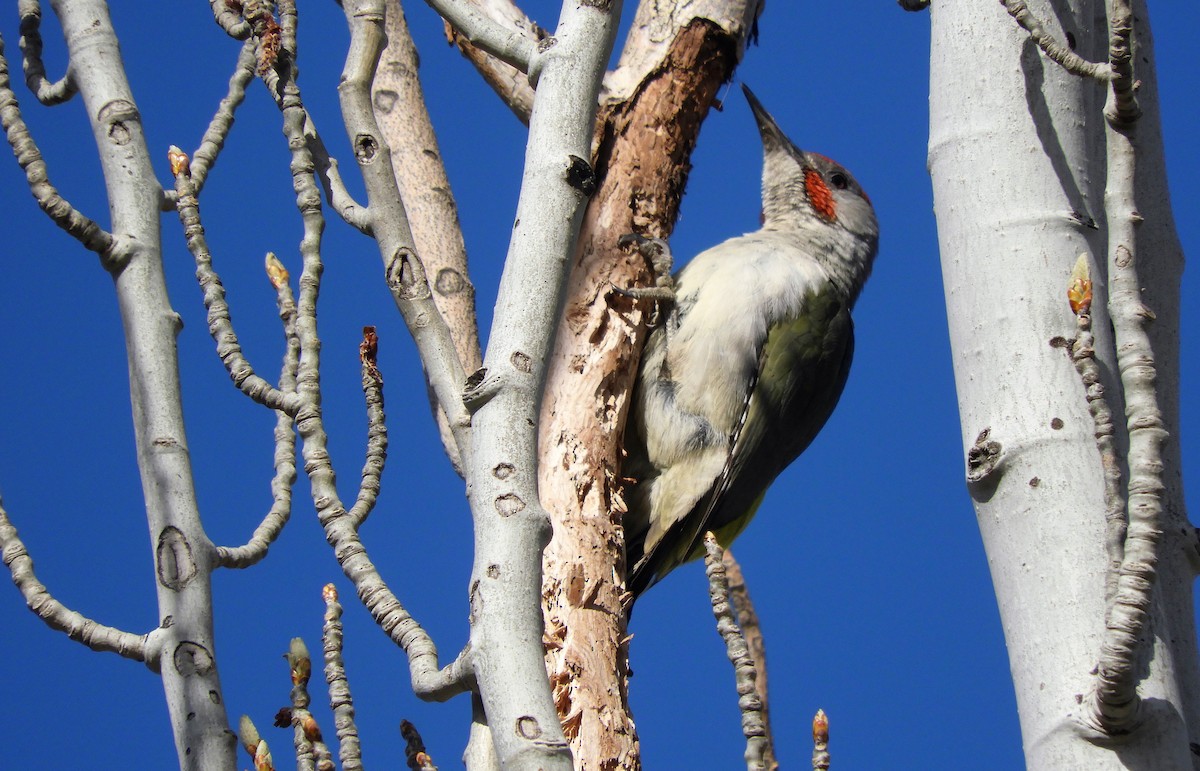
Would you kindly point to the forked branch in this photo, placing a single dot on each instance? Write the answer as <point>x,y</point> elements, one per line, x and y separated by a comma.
<point>285,436</point>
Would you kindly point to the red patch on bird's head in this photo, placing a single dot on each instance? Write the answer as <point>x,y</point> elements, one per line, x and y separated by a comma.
<point>819,195</point>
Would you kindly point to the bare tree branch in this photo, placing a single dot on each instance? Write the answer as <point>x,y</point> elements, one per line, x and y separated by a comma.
<point>57,616</point>
<point>183,554</point>
<point>35,71</point>
<point>399,107</point>
<point>78,226</point>
<point>747,621</point>
<point>372,383</point>
<point>213,140</point>
<point>509,83</point>
<point>1114,705</point>
<point>285,437</point>
<point>1122,109</point>
<point>1056,51</point>
<point>220,324</point>
<point>483,32</point>
<point>753,726</point>
<point>511,525</point>
<point>311,750</point>
<point>340,700</point>
<point>1083,354</point>
<point>230,20</point>
<point>406,274</point>
<point>385,608</point>
<point>641,147</point>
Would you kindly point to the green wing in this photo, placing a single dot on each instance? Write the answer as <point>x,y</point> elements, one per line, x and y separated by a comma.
<point>803,368</point>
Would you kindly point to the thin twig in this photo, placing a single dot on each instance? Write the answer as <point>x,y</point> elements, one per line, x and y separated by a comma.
<point>78,226</point>
<point>325,166</point>
<point>747,620</point>
<point>377,438</point>
<point>220,325</point>
<point>214,137</point>
<point>509,46</point>
<point>311,750</point>
<point>1114,705</point>
<point>255,746</point>
<point>1056,51</point>
<point>57,616</point>
<point>414,748</point>
<point>820,730</point>
<point>1083,355</point>
<point>753,727</point>
<point>46,92</point>
<point>340,700</point>
<point>428,681</point>
<point>230,19</point>
<point>285,437</point>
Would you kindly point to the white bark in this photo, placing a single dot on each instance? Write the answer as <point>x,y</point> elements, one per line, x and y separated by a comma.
<point>184,557</point>
<point>511,527</point>
<point>1017,155</point>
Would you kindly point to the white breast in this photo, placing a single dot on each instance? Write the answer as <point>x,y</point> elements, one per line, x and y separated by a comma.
<point>729,297</point>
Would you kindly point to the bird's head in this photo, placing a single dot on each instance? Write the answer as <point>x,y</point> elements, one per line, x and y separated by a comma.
<point>819,200</point>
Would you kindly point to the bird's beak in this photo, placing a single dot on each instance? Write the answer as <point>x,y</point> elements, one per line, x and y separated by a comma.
<point>773,137</point>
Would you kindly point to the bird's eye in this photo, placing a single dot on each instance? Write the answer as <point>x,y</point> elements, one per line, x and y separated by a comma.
<point>839,180</point>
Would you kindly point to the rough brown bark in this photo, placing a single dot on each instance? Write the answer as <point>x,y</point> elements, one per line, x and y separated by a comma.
<point>641,160</point>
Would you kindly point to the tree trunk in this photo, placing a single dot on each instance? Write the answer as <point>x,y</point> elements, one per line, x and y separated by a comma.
<point>658,98</point>
<point>1017,155</point>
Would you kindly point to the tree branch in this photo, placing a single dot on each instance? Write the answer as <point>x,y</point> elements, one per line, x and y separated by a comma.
<point>1122,108</point>
<point>230,20</point>
<point>78,226</point>
<point>747,621</point>
<point>57,616</point>
<point>1083,354</point>
<point>511,526</point>
<point>1113,706</point>
<point>406,274</point>
<point>509,83</point>
<point>753,726</point>
<point>1056,51</point>
<point>46,92</point>
<point>220,324</point>
<point>183,554</point>
<point>311,751</point>
<point>641,154</point>
<point>372,384</point>
<point>285,437</point>
<point>385,608</point>
<point>399,108</point>
<point>340,700</point>
<point>214,137</point>
<point>486,34</point>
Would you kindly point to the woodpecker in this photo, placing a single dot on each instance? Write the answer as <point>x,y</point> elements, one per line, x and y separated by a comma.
<point>750,360</point>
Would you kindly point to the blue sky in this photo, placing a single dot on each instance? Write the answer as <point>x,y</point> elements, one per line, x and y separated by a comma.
<point>865,560</point>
